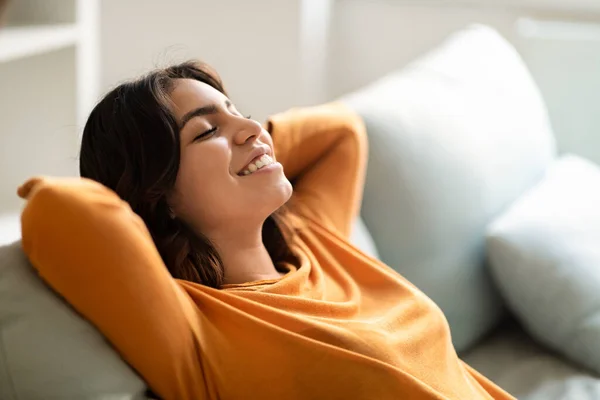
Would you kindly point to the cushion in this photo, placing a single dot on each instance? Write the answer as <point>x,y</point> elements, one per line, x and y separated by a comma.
<point>454,138</point>
<point>529,371</point>
<point>47,351</point>
<point>545,256</point>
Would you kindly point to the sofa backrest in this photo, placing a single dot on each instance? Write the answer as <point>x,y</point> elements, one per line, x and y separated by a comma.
<point>47,350</point>
<point>454,138</point>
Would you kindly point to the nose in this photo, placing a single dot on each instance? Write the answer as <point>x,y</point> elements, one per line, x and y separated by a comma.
<point>248,131</point>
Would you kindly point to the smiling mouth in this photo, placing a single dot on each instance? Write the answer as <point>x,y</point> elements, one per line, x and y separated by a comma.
<point>258,163</point>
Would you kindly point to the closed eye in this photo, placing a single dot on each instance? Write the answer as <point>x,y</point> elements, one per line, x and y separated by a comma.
<point>205,135</point>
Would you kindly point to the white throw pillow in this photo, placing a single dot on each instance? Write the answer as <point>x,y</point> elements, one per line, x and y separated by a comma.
<point>545,256</point>
<point>453,139</point>
<point>47,350</point>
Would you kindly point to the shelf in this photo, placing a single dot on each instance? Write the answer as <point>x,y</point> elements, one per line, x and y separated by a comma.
<point>21,42</point>
<point>10,228</point>
<point>570,6</point>
<point>558,30</point>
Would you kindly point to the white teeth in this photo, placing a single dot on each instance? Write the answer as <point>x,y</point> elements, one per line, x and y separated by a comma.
<point>263,161</point>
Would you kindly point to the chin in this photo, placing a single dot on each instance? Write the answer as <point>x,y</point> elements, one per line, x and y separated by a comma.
<point>289,190</point>
<point>283,193</point>
<point>275,197</point>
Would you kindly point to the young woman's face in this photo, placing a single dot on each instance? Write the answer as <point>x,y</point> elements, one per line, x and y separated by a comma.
<point>228,177</point>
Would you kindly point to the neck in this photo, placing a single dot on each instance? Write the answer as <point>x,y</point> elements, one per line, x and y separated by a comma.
<point>245,257</point>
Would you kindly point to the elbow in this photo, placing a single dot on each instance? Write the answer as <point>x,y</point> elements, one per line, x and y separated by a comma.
<point>355,130</point>
<point>356,133</point>
<point>39,196</point>
<point>54,213</point>
<point>41,214</point>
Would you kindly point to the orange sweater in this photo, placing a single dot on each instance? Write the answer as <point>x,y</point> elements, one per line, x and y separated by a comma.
<point>340,325</point>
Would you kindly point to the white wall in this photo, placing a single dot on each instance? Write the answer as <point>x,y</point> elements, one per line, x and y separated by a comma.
<point>372,38</point>
<point>254,45</point>
<point>565,61</point>
<point>561,47</point>
<point>38,124</point>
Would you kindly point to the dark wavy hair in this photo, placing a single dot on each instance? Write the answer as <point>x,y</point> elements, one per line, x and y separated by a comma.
<point>131,145</point>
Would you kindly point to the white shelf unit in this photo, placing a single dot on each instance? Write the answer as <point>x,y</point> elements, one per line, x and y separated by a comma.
<point>21,42</point>
<point>48,83</point>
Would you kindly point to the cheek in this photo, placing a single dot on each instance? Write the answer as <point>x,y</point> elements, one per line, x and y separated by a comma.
<point>203,180</point>
<point>265,137</point>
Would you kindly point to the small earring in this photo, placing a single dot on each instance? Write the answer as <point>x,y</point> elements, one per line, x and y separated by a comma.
<point>171,212</point>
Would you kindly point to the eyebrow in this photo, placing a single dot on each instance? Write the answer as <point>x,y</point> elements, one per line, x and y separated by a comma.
<point>201,111</point>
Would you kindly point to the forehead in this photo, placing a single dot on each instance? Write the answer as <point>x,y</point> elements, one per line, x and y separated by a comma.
<point>189,94</point>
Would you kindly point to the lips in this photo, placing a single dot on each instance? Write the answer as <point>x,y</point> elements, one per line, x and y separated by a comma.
<point>254,156</point>
<point>263,161</point>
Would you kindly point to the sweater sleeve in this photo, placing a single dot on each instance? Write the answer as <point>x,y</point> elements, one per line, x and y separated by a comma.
<point>91,248</point>
<point>323,150</point>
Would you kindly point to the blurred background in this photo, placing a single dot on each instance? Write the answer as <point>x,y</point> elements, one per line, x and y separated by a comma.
<point>57,57</point>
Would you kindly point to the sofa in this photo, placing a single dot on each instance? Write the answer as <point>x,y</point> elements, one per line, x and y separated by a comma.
<point>466,195</point>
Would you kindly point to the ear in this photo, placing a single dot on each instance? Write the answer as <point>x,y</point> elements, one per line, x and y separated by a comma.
<point>170,200</point>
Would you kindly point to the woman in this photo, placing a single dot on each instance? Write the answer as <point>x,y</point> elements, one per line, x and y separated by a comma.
<point>267,302</point>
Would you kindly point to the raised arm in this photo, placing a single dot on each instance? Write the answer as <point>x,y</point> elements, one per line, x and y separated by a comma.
<point>92,249</point>
<point>323,150</point>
